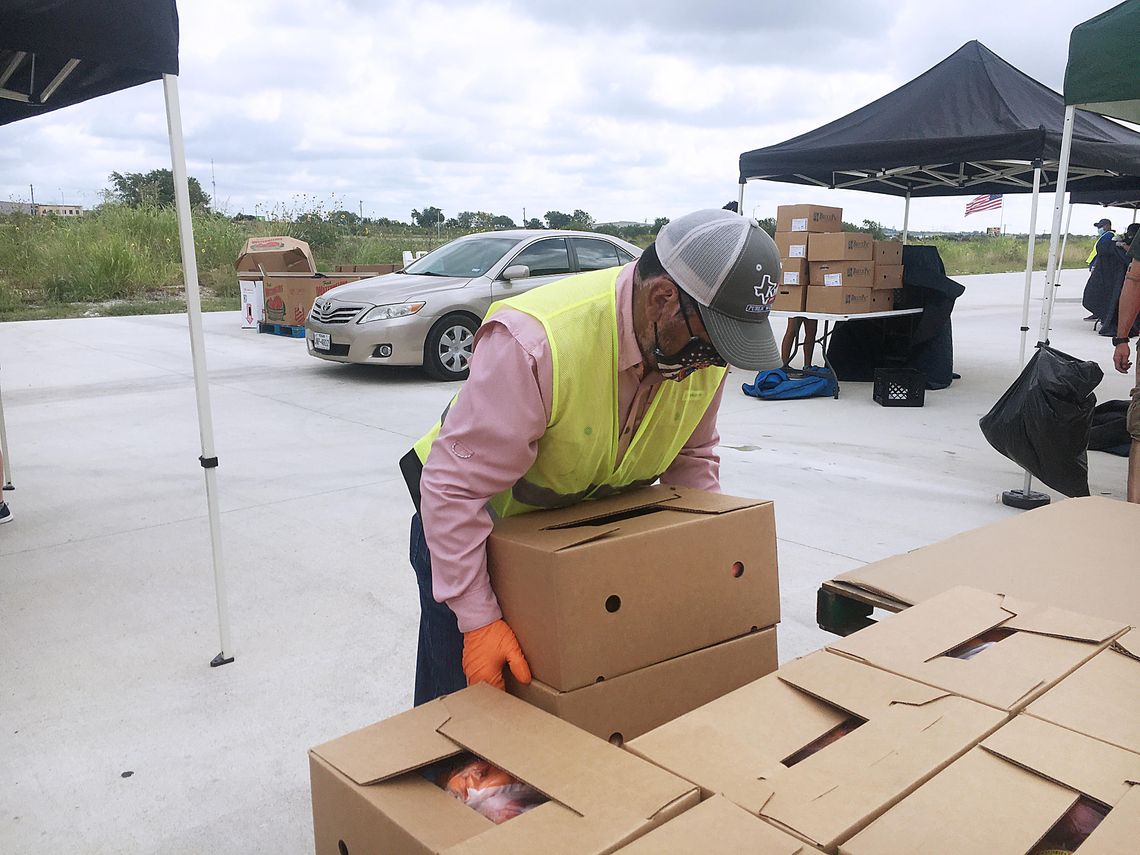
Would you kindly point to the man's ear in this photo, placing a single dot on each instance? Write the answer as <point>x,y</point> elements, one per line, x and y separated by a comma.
<point>661,300</point>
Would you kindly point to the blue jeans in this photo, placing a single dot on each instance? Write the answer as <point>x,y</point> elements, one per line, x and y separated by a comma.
<point>439,659</point>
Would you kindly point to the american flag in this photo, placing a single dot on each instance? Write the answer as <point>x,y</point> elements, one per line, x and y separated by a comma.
<point>983,203</point>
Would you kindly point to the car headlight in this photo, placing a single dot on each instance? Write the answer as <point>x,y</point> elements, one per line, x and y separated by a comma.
<point>390,311</point>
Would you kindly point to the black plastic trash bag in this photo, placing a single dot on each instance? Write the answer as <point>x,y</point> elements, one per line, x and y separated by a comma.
<point>1042,421</point>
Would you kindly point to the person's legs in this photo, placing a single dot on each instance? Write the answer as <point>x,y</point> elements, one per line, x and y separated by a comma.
<point>789,342</point>
<point>439,659</point>
<point>810,327</point>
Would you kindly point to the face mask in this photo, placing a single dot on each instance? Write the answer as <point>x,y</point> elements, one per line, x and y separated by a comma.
<point>1100,231</point>
<point>694,355</point>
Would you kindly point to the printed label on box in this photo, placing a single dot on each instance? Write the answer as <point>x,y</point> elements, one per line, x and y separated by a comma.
<point>791,277</point>
<point>833,279</point>
<point>798,250</point>
<point>799,224</point>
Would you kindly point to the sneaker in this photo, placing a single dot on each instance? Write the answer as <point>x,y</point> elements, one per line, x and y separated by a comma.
<point>5,513</point>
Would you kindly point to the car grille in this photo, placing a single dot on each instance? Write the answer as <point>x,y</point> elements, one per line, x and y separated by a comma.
<point>330,312</point>
<point>335,350</point>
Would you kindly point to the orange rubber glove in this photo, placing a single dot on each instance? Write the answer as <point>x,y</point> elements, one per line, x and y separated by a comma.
<point>487,649</point>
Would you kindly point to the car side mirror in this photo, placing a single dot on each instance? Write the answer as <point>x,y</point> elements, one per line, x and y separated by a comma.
<point>516,271</point>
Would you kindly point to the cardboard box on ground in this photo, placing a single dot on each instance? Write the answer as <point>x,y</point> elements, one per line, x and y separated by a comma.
<point>259,256</point>
<point>290,296</point>
<point>1029,784</point>
<point>717,827</point>
<point>371,796</point>
<point>632,704</point>
<point>822,746</point>
<point>607,587</point>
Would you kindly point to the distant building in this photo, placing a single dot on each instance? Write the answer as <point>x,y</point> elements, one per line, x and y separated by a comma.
<point>16,208</point>
<point>622,224</point>
<point>59,210</point>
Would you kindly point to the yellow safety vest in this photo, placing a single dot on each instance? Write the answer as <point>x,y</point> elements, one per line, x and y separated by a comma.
<point>577,454</point>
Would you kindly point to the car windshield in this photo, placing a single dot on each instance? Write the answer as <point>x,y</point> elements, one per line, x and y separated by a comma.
<point>466,258</point>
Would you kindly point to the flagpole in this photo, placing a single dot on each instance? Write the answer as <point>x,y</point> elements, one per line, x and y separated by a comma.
<point>1001,218</point>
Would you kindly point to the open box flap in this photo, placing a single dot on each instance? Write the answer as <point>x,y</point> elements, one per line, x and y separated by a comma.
<point>573,767</point>
<point>1058,622</point>
<point>1128,645</point>
<point>1071,759</point>
<point>704,502</point>
<point>852,686</point>
<point>391,747</point>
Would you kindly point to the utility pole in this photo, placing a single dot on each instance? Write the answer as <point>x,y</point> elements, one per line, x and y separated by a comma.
<point>32,187</point>
<point>213,186</point>
<point>524,217</point>
<point>361,209</point>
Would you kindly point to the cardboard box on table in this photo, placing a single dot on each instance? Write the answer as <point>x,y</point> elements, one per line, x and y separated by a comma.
<point>793,271</point>
<point>808,218</point>
<point>790,298</point>
<point>888,276</point>
<point>606,587</point>
<point>835,274</point>
<point>1101,698</point>
<point>1047,644</point>
<point>888,252</point>
<point>841,246</point>
<point>1005,795</point>
<point>369,797</point>
<point>635,703</point>
<point>742,745</point>
<point>841,300</point>
<point>792,244</point>
<point>717,827</point>
<point>290,296</point>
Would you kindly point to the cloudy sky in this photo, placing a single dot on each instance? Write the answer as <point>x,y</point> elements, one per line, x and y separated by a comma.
<point>628,110</point>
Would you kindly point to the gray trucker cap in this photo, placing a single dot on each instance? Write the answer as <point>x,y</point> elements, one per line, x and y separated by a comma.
<point>731,267</point>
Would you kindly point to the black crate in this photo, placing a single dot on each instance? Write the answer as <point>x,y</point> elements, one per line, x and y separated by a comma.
<point>899,387</point>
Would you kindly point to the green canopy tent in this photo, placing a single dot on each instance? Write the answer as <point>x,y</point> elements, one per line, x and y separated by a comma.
<point>1103,77</point>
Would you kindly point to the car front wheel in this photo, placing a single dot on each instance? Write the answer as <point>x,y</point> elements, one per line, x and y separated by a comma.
<point>447,350</point>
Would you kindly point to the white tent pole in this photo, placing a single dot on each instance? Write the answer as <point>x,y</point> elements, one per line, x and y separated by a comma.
<point>7,471</point>
<point>198,351</point>
<point>1058,204</point>
<point>740,200</point>
<point>906,215</point>
<point>1064,242</point>
<point>1029,262</point>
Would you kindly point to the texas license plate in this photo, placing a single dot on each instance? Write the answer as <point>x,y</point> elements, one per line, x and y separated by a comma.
<point>322,341</point>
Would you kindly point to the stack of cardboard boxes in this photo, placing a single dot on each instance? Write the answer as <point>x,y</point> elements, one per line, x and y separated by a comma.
<point>828,270</point>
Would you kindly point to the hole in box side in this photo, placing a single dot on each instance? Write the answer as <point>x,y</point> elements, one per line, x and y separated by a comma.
<point>613,603</point>
<point>617,739</point>
<point>737,569</point>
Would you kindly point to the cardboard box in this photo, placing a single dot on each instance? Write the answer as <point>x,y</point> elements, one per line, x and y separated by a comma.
<point>835,274</point>
<point>744,746</point>
<point>889,276</point>
<point>790,298</point>
<point>792,244</point>
<point>275,255</point>
<point>808,218</point>
<point>252,293</point>
<point>840,301</point>
<point>1004,796</point>
<point>292,294</point>
<point>841,246</point>
<point>793,271</point>
<point>888,252</point>
<point>606,587</point>
<point>883,301</point>
<point>374,269</point>
<point>1100,699</point>
<point>1051,547</point>
<point>717,827</point>
<point>369,797</point>
<point>635,703</point>
<point>1043,644</point>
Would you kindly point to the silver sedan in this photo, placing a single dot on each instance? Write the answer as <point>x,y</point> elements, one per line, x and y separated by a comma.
<point>427,314</point>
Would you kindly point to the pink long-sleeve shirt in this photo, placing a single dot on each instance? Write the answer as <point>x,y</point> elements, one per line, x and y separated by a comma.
<point>489,440</point>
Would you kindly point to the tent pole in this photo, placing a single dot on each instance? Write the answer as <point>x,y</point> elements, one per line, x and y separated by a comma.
<point>1029,261</point>
<point>208,459</point>
<point>7,471</point>
<point>1064,241</point>
<point>906,215</point>
<point>1058,203</point>
<point>740,200</point>
<point>1027,498</point>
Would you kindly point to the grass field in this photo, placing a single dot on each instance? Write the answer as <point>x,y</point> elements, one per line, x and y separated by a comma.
<point>125,261</point>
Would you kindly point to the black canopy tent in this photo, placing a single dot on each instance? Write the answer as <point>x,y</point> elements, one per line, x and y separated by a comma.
<point>55,53</point>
